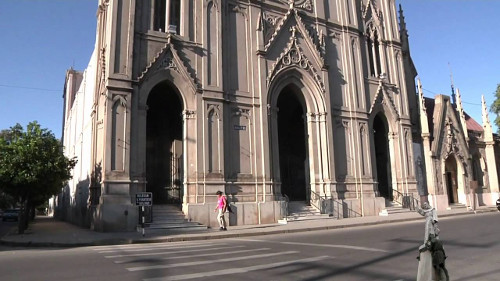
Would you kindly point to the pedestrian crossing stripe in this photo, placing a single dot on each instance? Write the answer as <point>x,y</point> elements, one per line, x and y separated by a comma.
<point>162,266</point>
<point>201,255</point>
<point>168,252</point>
<point>158,248</point>
<point>237,270</point>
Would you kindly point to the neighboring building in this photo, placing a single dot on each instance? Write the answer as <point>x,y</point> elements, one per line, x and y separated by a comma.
<point>460,164</point>
<point>258,99</point>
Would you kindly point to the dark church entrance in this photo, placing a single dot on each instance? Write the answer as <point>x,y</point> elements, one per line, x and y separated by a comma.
<point>383,160</point>
<point>292,144</point>
<point>451,179</point>
<point>164,145</point>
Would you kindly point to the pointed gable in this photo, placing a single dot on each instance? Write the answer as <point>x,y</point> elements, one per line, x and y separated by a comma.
<point>447,134</point>
<point>168,60</point>
<point>293,19</point>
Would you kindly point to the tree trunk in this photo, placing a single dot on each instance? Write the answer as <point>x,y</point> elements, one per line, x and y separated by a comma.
<point>21,223</point>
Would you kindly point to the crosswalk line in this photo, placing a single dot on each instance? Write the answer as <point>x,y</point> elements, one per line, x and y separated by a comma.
<point>168,253</point>
<point>158,248</point>
<point>152,245</point>
<point>317,245</point>
<point>162,266</point>
<point>236,270</point>
<point>201,255</point>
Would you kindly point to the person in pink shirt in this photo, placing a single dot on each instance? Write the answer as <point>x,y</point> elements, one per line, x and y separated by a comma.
<point>221,207</point>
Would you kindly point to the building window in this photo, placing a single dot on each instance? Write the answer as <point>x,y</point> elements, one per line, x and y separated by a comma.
<point>167,11</point>
<point>373,50</point>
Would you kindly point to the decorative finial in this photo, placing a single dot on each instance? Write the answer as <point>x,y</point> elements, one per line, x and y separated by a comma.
<point>453,97</point>
<point>421,95</point>
<point>486,118</point>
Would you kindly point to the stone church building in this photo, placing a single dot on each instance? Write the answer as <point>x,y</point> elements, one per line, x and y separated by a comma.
<point>265,100</point>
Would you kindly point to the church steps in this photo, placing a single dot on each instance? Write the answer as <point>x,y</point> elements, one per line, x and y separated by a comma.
<point>172,217</point>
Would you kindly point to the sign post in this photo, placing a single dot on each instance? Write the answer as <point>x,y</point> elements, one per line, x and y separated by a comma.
<point>143,199</point>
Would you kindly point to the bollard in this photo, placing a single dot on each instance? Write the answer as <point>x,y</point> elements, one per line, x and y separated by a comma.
<point>498,204</point>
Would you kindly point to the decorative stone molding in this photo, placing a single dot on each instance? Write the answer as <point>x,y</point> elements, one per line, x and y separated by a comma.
<point>215,108</point>
<point>382,97</point>
<point>293,56</point>
<point>189,114</point>
<point>451,144</point>
<point>316,116</point>
<point>267,25</point>
<point>316,45</point>
<point>371,6</point>
<point>272,110</point>
<point>168,59</point>
<point>241,112</point>
<point>168,63</point>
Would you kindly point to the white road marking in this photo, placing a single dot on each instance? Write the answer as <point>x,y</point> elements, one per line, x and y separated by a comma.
<point>203,255</point>
<point>337,246</point>
<point>236,270</point>
<point>140,268</point>
<point>318,245</point>
<point>145,245</point>
<point>158,248</point>
<point>168,253</point>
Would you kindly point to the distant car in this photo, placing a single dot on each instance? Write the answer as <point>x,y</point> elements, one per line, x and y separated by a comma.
<point>11,214</point>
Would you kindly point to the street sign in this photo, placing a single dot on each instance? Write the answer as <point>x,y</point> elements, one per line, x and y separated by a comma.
<point>144,199</point>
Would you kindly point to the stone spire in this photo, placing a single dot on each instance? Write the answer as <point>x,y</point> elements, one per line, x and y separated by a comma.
<point>488,131</point>
<point>403,32</point>
<point>424,123</point>
<point>461,113</point>
<point>402,23</point>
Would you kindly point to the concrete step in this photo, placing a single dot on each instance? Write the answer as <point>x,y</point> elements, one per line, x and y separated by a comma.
<point>455,206</point>
<point>299,211</point>
<point>185,225</point>
<point>171,217</point>
<point>394,208</point>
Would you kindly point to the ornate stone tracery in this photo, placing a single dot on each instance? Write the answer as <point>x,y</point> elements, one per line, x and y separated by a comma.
<point>293,56</point>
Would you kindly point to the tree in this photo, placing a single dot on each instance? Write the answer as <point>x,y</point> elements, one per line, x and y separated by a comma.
<point>32,167</point>
<point>495,107</point>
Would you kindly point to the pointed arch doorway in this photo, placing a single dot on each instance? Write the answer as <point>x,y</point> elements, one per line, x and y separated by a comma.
<point>292,144</point>
<point>164,153</point>
<point>382,156</point>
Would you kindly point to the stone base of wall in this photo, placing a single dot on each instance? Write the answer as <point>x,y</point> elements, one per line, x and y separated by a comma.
<point>244,213</point>
<point>487,199</point>
<point>371,207</point>
<point>439,202</point>
<point>115,213</point>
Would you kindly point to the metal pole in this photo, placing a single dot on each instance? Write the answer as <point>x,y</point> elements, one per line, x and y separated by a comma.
<point>143,222</point>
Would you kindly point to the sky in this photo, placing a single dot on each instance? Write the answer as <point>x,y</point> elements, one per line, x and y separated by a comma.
<point>41,39</point>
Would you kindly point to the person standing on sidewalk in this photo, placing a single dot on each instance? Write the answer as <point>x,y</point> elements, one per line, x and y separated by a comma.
<point>221,207</point>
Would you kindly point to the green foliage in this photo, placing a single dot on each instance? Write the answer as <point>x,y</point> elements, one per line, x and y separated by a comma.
<point>32,164</point>
<point>495,107</point>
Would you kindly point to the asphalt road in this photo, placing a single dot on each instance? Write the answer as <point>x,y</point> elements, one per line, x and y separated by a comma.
<point>385,252</point>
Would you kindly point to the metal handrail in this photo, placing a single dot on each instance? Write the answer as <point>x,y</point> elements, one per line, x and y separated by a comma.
<point>316,201</point>
<point>283,199</point>
<point>407,200</point>
<point>399,198</point>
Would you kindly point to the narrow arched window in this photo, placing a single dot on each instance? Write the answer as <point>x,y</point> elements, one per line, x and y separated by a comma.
<point>369,49</point>
<point>167,16</point>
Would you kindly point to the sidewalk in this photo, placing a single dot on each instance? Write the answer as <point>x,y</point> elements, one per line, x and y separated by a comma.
<point>48,232</point>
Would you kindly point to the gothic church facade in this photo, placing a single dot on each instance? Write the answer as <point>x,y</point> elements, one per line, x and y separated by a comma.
<point>262,99</point>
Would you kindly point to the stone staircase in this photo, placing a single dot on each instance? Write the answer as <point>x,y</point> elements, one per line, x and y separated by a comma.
<point>171,217</point>
<point>392,208</point>
<point>299,211</point>
<point>455,206</point>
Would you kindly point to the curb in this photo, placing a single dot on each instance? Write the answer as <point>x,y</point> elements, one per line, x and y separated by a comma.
<point>182,238</point>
